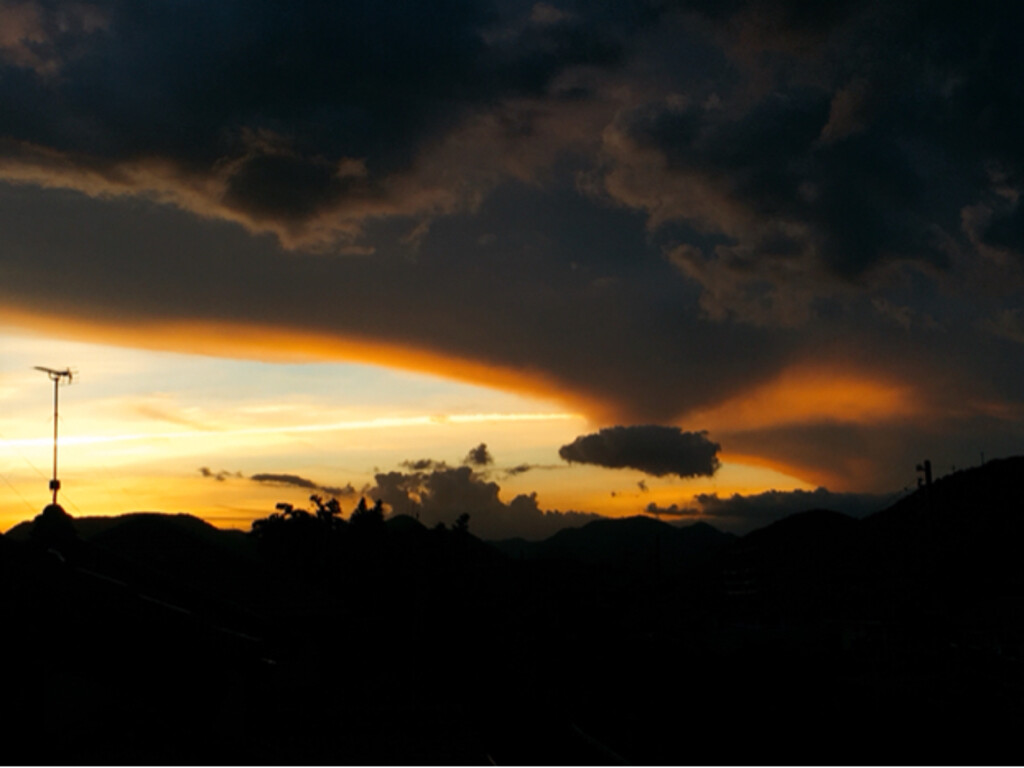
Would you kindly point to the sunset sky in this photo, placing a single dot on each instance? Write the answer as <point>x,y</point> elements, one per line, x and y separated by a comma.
<point>767,247</point>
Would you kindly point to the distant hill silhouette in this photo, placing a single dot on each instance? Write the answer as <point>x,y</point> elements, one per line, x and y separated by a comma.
<point>983,501</point>
<point>405,524</point>
<point>635,545</point>
<point>956,545</point>
<point>809,527</point>
<point>798,565</point>
<point>90,526</point>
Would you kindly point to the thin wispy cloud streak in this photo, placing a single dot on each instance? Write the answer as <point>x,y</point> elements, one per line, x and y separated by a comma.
<point>395,422</point>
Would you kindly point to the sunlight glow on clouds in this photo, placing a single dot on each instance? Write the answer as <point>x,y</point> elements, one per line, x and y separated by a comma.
<point>132,412</point>
<point>296,429</point>
<point>808,394</point>
<point>792,226</point>
<point>137,427</point>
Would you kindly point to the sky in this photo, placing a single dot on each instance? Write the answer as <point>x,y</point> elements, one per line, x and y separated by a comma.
<point>692,259</point>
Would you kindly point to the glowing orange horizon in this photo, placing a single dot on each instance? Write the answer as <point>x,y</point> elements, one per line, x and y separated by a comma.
<point>812,475</point>
<point>809,392</point>
<point>264,343</point>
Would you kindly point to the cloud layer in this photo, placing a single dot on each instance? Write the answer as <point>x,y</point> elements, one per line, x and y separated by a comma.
<point>646,209</point>
<point>743,513</point>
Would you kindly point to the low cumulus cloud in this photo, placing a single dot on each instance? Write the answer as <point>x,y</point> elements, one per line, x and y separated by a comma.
<point>479,456</point>
<point>656,450</point>
<point>445,493</point>
<point>740,514</point>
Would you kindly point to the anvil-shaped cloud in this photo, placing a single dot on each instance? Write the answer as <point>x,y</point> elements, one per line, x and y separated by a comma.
<point>652,210</point>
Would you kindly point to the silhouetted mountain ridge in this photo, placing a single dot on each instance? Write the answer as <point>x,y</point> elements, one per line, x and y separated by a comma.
<point>810,526</point>
<point>90,526</point>
<point>284,643</point>
<point>986,497</point>
<point>637,545</point>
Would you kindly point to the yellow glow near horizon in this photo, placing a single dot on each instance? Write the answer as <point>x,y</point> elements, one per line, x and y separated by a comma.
<point>619,494</point>
<point>374,423</point>
<point>235,501</point>
<point>140,425</point>
<point>114,473</point>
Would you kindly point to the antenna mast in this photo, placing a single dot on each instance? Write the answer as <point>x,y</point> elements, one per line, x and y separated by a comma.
<point>56,377</point>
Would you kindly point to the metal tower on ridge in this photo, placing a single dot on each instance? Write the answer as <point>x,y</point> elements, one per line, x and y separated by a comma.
<point>56,377</point>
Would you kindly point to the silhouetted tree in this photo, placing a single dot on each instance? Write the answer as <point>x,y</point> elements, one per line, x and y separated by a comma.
<point>461,524</point>
<point>303,539</point>
<point>364,517</point>
<point>328,512</point>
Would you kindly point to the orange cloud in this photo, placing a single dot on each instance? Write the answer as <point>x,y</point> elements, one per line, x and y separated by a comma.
<point>809,394</point>
<point>813,422</point>
<point>813,474</point>
<point>274,344</point>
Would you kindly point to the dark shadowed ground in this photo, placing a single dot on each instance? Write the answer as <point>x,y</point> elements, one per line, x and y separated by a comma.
<point>821,639</point>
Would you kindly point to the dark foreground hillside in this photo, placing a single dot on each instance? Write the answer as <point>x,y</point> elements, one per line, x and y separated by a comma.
<point>154,639</point>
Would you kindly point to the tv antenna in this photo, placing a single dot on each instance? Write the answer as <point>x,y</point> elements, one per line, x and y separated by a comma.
<point>56,377</point>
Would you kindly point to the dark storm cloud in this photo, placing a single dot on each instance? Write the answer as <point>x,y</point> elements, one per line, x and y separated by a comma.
<point>656,450</point>
<point>355,78</point>
<point>645,209</point>
<point>1009,323</point>
<point>446,493</point>
<point>266,112</point>
<point>848,201</point>
<point>863,141</point>
<point>738,513</point>
<point>301,482</point>
<point>805,208</point>
<point>259,114</point>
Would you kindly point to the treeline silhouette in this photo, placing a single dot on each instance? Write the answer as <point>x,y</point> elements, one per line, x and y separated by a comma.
<point>321,638</point>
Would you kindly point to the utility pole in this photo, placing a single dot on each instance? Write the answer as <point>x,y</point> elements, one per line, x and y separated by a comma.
<point>56,377</point>
<point>926,468</point>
